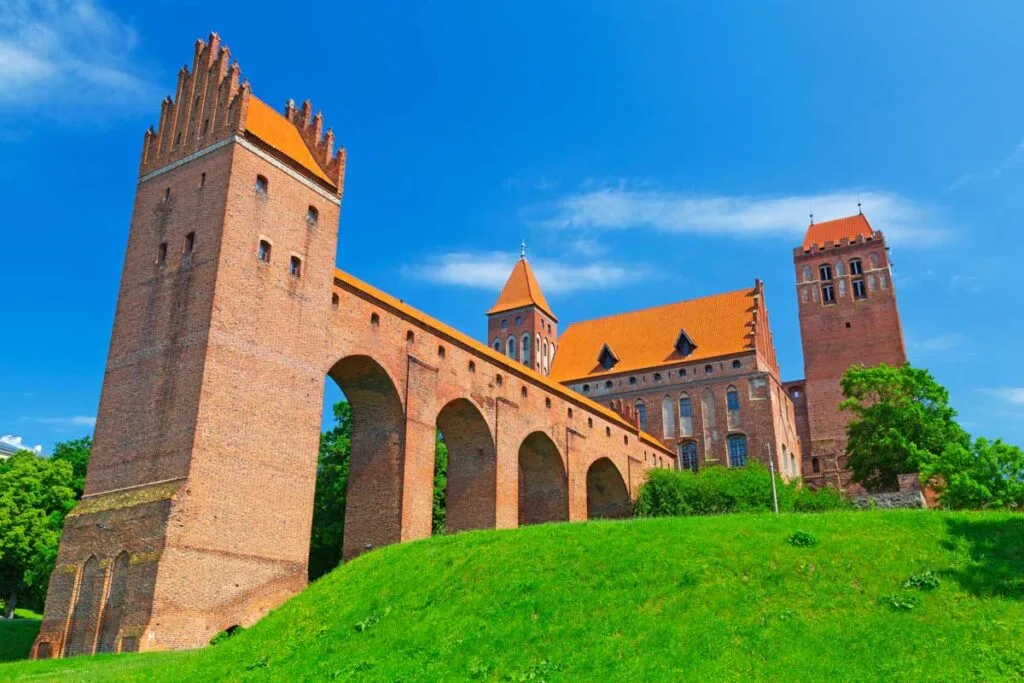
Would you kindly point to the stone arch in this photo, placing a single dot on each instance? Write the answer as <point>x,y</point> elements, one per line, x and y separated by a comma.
<point>470,500</point>
<point>373,503</point>
<point>543,484</point>
<point>607,495</point>
<point>84,618</point>
<point>116,596</point>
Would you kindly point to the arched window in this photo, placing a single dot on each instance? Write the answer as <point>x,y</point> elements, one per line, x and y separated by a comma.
<point>873,259</point>
<point>708,369</point>
<point>608,384</point>
<point>262,185</point>
<point>512,348</point>
<point>737,450</point>
<point>808,274</point>
<point>688,456</point>
<point>537,351</point>
<point>815,466</point>
<point>785,461</point>
<point>295,267</point>
<point>641,414</point>
<point>707,409</point>
<point>544,360</point>
<point>632,380</point>
<point>737,363</point>
<point>882,282</point>
<point>264,251</point>
<point>871,283</point>
<point>732,404</point>
<point>685,416</point>
<point>803,295</point>
<point>840,269</point>
<point>668,417</point>
<point>497,345</point>
<point>312,215</point>
<point>856,267</point>
<point>526,349</point>
<point>586,388</point>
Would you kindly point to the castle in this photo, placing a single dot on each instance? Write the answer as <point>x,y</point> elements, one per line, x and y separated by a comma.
<point>231,315</point>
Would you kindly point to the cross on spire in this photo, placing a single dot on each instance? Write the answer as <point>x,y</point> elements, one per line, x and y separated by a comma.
<point>522,249</point>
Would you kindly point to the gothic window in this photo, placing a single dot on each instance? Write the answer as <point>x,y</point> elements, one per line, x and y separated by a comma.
<point>295,267</point>
<point>842,288</point>
<point>526,349</point>
<point>856,267</point>
<point>707,407</point>
<point>840,270</point>
<point>511,348</point>
<point>641,414</point>
<point>685,416</point>
<point>312,216</point>
<point>732,404</point>
<point>668,417</point>
<point>858,290</point>
<point>544,360</point>
<point>737,450</point>
<point>873,258</point>
<point>807,274</point>
<point>828,294</point>
<point>825,271</point>
<point>871,283</point>
<point>497,345</point>
<point>657,377</point>
<point>688,456</point>
<point>803,294</point>
<point>536,350</point>
<point>262,184</point>
<point>815,466</point>
<point>264,251</point>
<point>882,282</point>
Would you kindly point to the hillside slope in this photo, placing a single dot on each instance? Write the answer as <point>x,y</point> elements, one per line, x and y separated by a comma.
<point>667,599</point>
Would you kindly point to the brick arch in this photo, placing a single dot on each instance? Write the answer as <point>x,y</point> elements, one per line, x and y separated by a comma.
<point>373,505</point>
<point>116,597</point>
<point>543,484</point>
<point>607,495</point>
<point>472,467</point>
<point>82,630</point>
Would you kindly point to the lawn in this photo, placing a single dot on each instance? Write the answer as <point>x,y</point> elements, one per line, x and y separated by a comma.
<point>17,635</point>
<point>713,598</point>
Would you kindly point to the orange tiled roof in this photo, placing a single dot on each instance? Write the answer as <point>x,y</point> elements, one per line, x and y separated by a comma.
<point>719,325</point>
<point>275,130</point>
<point>499,359</point>
<point>521,290</point>
<point>850,227</point>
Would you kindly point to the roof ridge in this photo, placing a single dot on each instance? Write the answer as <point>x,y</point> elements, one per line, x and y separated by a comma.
<point>744,290</point>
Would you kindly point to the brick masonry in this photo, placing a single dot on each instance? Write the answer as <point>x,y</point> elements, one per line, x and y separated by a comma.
<point>198,502</point>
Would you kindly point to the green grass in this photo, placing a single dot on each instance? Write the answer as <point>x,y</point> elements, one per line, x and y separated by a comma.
<point>720,598</point>
<point>16,638</point>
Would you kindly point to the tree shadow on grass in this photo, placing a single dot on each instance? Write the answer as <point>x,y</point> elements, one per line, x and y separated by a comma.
<point>996,551</point>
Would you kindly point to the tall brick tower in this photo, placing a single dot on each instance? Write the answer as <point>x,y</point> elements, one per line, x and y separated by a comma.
<point>848,316</point>
<point>218,339</point>
<point>520,324</point>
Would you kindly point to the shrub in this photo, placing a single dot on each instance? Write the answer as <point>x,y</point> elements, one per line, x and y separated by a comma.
<point>922,581</point>
<point>822,500</point>
<point>802,539</point>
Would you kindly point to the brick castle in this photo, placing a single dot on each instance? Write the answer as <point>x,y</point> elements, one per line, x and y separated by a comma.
<point>231,314</point>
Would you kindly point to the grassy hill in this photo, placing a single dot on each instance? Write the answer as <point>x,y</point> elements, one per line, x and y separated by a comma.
<point>667,599</point>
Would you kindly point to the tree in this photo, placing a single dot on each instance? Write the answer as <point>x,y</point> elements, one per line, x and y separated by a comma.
<point>77,453</point>
<point>35,495</point>
<point>988,474</point>
<point>902,418</point>
<point>440,485</point>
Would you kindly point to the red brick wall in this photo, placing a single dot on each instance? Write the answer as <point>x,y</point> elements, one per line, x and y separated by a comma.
<point>534,322</point>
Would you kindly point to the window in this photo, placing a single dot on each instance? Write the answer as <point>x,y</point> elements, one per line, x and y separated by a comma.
<point>685,416</point>
<point>590,422</point>
<point>708,369</point>
<point>206,126</point>
<point>472,366</point>
<point>202,180</point>
<point>828,294</point>
<point>682,373</point>
<point>261,184</point>
<point>732,404</point>
<point>840,269</point>
<point>803,295</point>
<point>807,274</point>
<point>586,388</point>
<point>312,215</point>
<point>161,254</point>
<point>858,290</point>
<point>440,352</point>
<point>668,418</point>
<point>335,301</point>
<point>504,324</point>
<point>815,466</point>
<point>177,141</point>
<point>523,392</point>
<point>657,377</point>
<point>569,413</point>
<point>264,251</point>
<point>547,402</point>
<point>882,281</point>
<point>737,450</point>
<point>825,271</point>
<point>498,380</point>
<point>167,194</point>
<point>684,345</point>
<point>544,358</point>
<point>519,321</point>
<point>497,345</point>
<point>737,363</point>
<point>608,384</point>
<point>190,242</point>
<point>374,319</point>
<point>512,348</point>
<point>632,380</point>
<point>295,267</point>
<point>688,456</point>
<point>641,414</point>
<point>871,283</point>
<point>873,258</point>
<point>855,267</point>
<point>607,431</point>
<point>526,349</point>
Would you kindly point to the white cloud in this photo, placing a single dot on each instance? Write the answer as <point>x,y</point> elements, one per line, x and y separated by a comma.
<point>939,343</point>
<point>74,421</point>
<point>1012,395</point>
<point>15,443</point>
<point>904,221</point>
<point>70,55</point>
<point>490,270</point>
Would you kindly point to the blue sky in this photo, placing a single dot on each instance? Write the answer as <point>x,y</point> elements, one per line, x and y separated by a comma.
<point>646,151</point>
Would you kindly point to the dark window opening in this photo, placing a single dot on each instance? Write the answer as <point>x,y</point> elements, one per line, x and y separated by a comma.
<point>607,359</point>
<point>737,450</point>
<point>409,336</point>
<point>311,216</point>
<point>856,268</point>
<point>335,301</point>
<point>708,369</point>
<point>519,321</point>
<point>264,251</point>
<point>641,414</point>
<point>523,392</point>
<point>504,324</point>
<point>815,465</point>
<point>374,319</point>
<point>161,254</point>
<point>590,422</point>
<point>625,439</point>
<point>167,194</point>
<point>632,380</point>
<point>825,271</point>
<point>682,373</point>
<point>737,364</point>
<point>570,412</point>
<point>295,267</point>
<point>828,294</point>
<point>190,242</point>
<point>607,431</point>
<point>177,141</point>
<point>440,352</point>
<point>859,292</point>
<point>472,366</point>
<point>586,388</point>
<point>497,380</point>
<point>657,377</point>
<point>262,184</point>
<point>608,384</point>
<point>547,402</point>
<point>688,456</point>
<point>847,325</point>
<point>206,126</point>
<point>202,180</point>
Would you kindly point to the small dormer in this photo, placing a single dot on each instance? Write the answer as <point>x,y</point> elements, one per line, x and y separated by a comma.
<point>607,358</point>
<point>684,345</point>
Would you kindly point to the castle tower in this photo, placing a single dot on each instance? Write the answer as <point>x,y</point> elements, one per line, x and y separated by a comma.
<point>848,316</point>
<point>520,324</point>
<point>218,338</point>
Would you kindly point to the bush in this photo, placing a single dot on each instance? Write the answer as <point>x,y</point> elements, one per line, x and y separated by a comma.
<point>720,490</point>
<point>802,539</point>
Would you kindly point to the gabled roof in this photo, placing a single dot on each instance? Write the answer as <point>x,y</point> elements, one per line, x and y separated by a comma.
<point>274,130</point>
<point>832,231</point>
<point>718,325</point>
<point>521,290</point>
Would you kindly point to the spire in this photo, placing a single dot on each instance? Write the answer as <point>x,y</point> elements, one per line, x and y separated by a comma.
<point>521,290</point>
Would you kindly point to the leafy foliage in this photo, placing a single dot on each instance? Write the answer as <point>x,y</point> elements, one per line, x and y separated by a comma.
<point>924,581</point>
<point>985,474</point>
<point>75,452</point>
<point>719,490</point>
<point>901,418</point>
<point>440,485</point>
<point>802,539</point>
<point>35,495</point>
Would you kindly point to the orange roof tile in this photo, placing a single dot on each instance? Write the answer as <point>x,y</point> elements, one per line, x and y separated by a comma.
<point>521,290</point>
<point>719,325</point>
<point>499,359</point>
<point>850,227</point>
<point>271,127</point>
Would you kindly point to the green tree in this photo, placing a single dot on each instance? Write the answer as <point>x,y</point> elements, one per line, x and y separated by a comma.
<point>987,474</point>
<point>77,453</point>
<point>901,418</point>
<point>35,495</point>
<point>440,484</point>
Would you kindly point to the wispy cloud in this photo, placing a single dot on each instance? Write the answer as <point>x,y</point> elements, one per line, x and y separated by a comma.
<point>1012,395</point>
<point>74,421</point>
<point>16,443</point>
<point>489,270</point>
<point>622,207</point>
<point>1014,159</point>
<point>71,56</point>
<point>939,343</point>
